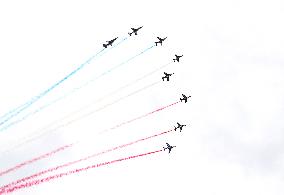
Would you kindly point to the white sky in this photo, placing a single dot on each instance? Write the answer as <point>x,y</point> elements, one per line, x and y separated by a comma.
<point>232,67</point>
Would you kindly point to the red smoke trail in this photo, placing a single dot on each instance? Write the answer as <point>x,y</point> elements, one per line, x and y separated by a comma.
<point>137,118</point>
<point>46,179</point>
<point>82,159</point>
<point>68,164</point>
<point>35,159</point>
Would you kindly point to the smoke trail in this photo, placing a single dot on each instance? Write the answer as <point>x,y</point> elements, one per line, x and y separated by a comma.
<point>6,117</point>
<point>114,92</point>
<point>139,117</point>
<point>36,98</point>
<point>74,90</point>
<point>82,159</point>
<point>57,176</point>
<point>80,117</point>
<point>35,159</point>
<point>95,111</point>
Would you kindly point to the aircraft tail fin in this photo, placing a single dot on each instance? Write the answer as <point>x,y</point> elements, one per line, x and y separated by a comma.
<point>105,45</point>
<point>129,34</point>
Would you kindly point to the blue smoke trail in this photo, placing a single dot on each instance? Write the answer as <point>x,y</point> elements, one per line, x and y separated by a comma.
<point>21,108</point>
<point>74,90</point>
<point>117,66</point>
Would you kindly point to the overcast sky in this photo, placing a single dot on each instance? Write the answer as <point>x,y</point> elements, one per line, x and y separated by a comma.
<point>233,68</point>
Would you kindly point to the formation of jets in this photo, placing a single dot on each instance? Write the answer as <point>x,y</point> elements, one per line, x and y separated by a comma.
<point>167,76</point>
<point>135,30</point>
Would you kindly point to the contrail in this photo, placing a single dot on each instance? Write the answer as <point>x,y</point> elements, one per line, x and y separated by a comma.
<point>74,90</point>
<point>35,159</point>
<point>116,91</point>
<point>6,117</point>
<point>139,117</point>
<point>82,159</point>
<point>92,112</point>
<point>81,117</point>
<point>36,98</point>
<point>78,170</point>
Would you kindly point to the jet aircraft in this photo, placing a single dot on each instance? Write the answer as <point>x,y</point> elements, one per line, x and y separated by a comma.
<point>184,98</point>
<point>135,30</point>
<point>160,41</point>
<point>109,43</point>
<point>167,76</point>
<point>179,127</point>
<point>169,147</point>
<point>177,58</point>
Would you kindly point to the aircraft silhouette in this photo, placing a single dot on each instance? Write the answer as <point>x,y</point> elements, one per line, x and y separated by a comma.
<point>167,76</point>
<point>169,147</point>
<point>109,43</point>
<point>135,30</point>
<point>160,41</point>
<point>177,58</point>
<point>184,97</point>
<point>179,127</point>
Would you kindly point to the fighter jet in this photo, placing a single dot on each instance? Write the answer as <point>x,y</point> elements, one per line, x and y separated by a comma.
<point>179,127</point>
<point>109,43</point>
<point>160,41</point>
<point>184,97</point>
<point>177,58</point>
<point>135,30</point>
<point>169,147</point>
<point>167,76</point>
